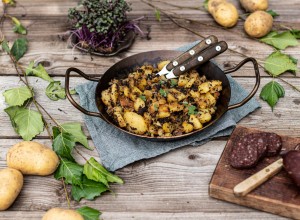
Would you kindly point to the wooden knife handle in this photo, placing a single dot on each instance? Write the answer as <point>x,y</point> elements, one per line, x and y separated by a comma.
<point>191,52</point>
<point>258,178</point>
<point>204,56</point>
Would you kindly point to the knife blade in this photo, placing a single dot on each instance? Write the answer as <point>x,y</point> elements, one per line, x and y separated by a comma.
<point>188,54</point>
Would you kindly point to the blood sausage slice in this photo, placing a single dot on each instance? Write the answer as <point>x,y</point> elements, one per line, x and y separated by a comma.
<point>274,144</point>
<point>248,151</point>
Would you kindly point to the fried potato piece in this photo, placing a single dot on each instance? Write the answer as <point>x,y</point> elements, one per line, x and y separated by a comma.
<point>135,123</point>
<point>195,121</point>
<point>187,128</point>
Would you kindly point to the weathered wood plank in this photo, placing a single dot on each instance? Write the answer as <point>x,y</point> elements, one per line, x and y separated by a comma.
<point>285,116</point>
<point>172,182</point>
<point>26,215</point>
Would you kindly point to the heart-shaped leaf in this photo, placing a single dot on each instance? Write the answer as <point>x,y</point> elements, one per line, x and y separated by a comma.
<point>271,93</point>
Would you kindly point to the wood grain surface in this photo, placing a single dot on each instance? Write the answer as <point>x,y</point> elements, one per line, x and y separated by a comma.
<point>171,186</point>
<point>278,195</point>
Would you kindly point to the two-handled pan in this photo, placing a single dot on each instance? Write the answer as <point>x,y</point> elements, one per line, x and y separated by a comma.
<point>128,65</point>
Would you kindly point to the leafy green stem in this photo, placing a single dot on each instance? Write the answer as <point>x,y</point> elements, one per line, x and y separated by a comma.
<point>183,7</point>
<point>19,68</point>
<point>52,119</point>
<point>79,153</point>
<point>66,191</point>
<point>291,85</point>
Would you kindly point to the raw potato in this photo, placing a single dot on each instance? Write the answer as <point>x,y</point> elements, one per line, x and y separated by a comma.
<point>213,4</point>
<point>32,158</point>
<point>223,12</point>
<point>10,186</point>
<point>135,122</point>
<point>254,5</point>
<point>258,24</point>
<point>62,214</point>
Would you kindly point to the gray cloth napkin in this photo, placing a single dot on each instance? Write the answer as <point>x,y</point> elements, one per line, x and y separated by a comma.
<point>117,149</point>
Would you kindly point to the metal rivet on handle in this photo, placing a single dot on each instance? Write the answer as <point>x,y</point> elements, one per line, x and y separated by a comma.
<point>182,68</point>
<point>200,58</point>
<point>175,63</point>
<point>192,52</point>
<point>218,48</point>
<point>208,41</point>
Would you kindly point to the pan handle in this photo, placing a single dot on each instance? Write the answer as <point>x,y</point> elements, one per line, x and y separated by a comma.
<point>257,76</point>
<point>69,96</point>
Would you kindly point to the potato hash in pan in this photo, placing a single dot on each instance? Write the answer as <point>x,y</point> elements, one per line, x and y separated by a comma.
<point>148,104</point>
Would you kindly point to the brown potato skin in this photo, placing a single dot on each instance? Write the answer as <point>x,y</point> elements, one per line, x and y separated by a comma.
<point>62,214</point>
<point>224,13</point>
<point>32,158</point>
<point>255,5</point>
<point>258,24</point>
<point>10,186</point>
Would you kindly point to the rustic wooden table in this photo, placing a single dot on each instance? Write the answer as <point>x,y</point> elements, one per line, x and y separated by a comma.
<point>171,186</point>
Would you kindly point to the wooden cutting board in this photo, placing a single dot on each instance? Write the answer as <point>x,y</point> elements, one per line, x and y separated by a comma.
<point>278,195</point>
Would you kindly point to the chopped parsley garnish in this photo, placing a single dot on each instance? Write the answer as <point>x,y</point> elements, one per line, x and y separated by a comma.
<point>161,82</point>
<point>155,107</point>
<point>142,97</point>
<point>163,93</point>
<point>192,110</point>
<point>173,83</point>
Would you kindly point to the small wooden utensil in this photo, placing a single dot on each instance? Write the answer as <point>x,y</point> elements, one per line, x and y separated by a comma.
<point>258,178</point>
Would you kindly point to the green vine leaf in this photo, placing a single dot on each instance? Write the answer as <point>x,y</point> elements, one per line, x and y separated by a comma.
<point>89,213</point>
<point>157,15</point>
<point>95,171</point>
<point>38,71</point>
<point>272,13</point>
<point>74,128</point>
<point>70,171</point>
<point>17,96</point>
<point>27,123</point>
<point>90,189</point>
<point>5,46</point>
<point>271,93</point>
<point>296,33</point>
<point>63,144</point>
<point>280,41</point>
<point>18,28</point>
<point>278,63</point>
<point>12,111</point>
<point>19,48</point>
<point>54,91</point>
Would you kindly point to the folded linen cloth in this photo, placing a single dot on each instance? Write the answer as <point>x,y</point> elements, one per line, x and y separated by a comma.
<point>118,149</point>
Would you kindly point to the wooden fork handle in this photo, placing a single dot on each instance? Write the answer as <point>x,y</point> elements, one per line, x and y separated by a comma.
<point>258,178</point>
<point>192,52</point>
